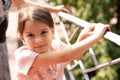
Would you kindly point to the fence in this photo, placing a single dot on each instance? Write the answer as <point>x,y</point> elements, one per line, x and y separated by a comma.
<point>108,35</point>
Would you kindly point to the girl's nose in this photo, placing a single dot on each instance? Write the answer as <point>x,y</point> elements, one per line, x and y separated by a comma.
<point>38,39</point>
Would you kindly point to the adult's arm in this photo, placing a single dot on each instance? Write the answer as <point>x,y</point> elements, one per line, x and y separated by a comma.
<point>52,9</point>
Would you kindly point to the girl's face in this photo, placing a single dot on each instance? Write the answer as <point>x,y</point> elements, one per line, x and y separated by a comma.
<point>37,36</point>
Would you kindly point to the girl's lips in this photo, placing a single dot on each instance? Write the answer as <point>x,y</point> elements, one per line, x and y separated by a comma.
<point>40,46</point>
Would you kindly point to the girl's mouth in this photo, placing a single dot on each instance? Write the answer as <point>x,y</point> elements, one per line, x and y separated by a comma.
<point>40,46</point>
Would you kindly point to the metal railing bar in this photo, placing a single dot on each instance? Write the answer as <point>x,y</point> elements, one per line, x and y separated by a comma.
<point>93,56</point>
<point>75,61</point>
<point>108,35</point>
<point>74,33</point>
<point>115,61</point>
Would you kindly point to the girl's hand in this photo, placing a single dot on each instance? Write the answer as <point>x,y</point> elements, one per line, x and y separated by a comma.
<point>87,31</point>
<point>95,29</point>
<point>62,8</point>
<point>100,29</point>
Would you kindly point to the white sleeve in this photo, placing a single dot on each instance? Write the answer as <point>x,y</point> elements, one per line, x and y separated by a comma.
<point>24,60</point>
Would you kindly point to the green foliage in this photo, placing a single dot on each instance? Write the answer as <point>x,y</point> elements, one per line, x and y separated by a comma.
<point>99,11</point>
<point>106,74</point>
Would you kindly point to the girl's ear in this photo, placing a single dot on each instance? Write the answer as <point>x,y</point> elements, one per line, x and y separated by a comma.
<point>53,30</point>
<point>22,39</point>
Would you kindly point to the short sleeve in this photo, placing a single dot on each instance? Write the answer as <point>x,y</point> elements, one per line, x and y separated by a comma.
<point>24,60</point>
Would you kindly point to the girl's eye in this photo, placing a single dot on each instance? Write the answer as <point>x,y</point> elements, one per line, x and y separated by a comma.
<point>43,32</point>
<point>30,35</point>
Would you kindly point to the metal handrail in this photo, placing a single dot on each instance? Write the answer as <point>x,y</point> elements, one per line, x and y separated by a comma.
<point>108,35</point>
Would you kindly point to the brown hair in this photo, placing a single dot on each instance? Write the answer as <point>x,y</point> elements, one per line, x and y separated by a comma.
<point>35,13</point>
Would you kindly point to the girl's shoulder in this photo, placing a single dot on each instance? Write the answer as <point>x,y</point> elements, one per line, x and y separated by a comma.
<point>21,49</point>
<point>24,52</point>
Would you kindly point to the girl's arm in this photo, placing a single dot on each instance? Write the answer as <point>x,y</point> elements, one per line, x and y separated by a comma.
<point>72,52</point>
<point>87,31</point>
<point>53,9</point>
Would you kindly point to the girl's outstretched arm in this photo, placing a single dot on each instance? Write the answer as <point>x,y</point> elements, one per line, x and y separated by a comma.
<point>76,50</point>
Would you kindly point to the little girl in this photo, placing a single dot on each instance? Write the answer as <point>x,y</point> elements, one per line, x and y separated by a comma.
<point>42,57</point>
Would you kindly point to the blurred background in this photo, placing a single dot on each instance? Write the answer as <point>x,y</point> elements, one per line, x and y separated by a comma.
<point>103,11</point>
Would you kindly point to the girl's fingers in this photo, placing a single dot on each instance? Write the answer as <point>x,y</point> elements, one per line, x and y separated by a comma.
<point>100,29</point>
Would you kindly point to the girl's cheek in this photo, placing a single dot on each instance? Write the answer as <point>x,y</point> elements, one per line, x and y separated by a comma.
<point>30,42</point>
<point>31,46</point>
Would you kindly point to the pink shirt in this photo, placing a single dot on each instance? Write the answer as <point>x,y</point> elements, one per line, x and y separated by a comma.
<point>24,59</point>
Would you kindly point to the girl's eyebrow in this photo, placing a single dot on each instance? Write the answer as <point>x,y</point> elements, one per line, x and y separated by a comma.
<point>45,29</point>
<point>27,32</point>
